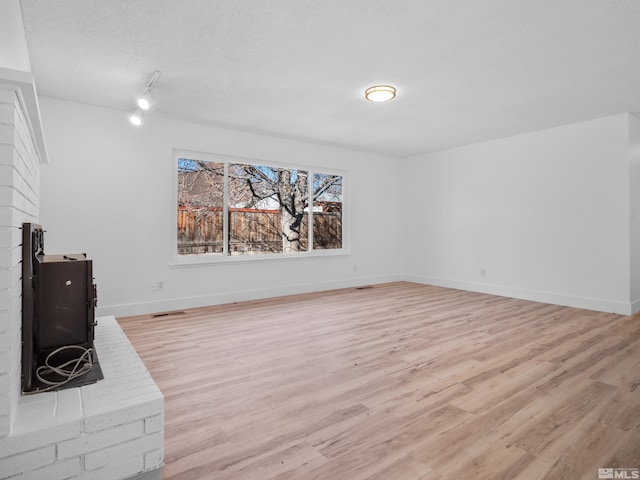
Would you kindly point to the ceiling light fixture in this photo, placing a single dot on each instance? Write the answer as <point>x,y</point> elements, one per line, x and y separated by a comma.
<point>144,101</point>
<point>380,93</point>
<point>136,117</point>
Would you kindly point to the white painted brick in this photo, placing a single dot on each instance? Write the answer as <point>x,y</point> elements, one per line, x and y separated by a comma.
<point>37,439</point>
<point>5,402</point>
<point>7,174</point>
<point>10,217</point>
<point>154,424</point>
<point>68,405</point>
<point>154,459</point>
<point>25,170</point>
<point>7,134</point>
<point>25,462</point>
<point>48,409</point>
<point>7,196</point>
<point>7,113</point>
<point>5,258</point>
<point>10,321</point>
<point>11,236</point>
<point>5,389</point>
<point>5,341</point>
<point>28,157</point>
<point>127,413</point>
<point>5,424</point>
<point>133,448</point>
<point>61,470</point>
<point>91,442</point>
<point>8,277</point>
<point>7,153</point>
<point>122,469</point>
<point>117,395</point>
<point>6,301</point>
<point>5,322</point>
<point>28,185</point>
<point>5,382</point>
<point>27,200</point>
<point>24,144</point>
<point>8,96</point>
<point>18,174</point>
<point>109,431</point>
<point>4,362</point>
<point>32,410</point>
<point>12,198</point>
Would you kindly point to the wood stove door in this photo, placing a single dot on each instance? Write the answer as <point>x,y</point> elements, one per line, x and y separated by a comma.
<point>62,304</point>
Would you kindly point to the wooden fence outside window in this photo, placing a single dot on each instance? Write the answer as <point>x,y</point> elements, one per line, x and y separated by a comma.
<point>252,231</point>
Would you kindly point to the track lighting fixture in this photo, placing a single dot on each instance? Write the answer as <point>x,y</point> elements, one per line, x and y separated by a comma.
<point>144,101</point>
<point>136,117</point>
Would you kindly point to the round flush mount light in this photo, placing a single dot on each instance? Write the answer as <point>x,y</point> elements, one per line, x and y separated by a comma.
<point>380,93</point>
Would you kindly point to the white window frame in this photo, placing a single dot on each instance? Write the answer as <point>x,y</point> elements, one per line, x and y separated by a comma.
<point>224,257</point>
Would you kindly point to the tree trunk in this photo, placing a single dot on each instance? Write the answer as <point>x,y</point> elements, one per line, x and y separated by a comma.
<point>291,199</point>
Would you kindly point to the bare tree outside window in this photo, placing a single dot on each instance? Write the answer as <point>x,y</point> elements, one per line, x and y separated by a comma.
<point>327,211</point>
<point>200,207</point>
<point>268,208</point>
<point>280,195</point>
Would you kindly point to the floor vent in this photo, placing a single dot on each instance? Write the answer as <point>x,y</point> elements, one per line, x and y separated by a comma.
<point>168,314</point>
<point>364,287</point>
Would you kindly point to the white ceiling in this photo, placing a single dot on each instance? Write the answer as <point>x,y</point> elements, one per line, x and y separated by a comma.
<point>466,70</point>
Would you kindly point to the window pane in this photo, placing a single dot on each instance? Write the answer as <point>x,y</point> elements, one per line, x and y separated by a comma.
<point>327,211</point>
<point>267,209</point>
<point>200,202</point>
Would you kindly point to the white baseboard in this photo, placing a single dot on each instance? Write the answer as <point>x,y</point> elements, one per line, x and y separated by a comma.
<point>141,308</point>
<point>171,304</point>
<point>597,304</point>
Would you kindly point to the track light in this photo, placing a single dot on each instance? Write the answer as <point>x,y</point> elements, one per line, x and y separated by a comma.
<point>144,101</point>
<point>136,117</point>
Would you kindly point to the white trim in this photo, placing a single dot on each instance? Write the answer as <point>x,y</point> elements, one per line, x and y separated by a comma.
<point>208,259</point>
<point>635,307</point>
<point>24,86</point>
<point>597,304</point>
<point>143,308</point>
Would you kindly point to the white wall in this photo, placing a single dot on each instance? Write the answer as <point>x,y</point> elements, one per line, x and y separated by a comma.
<point>13,43</point>
<point>546,214</point>
<point>634,162</point>
<point>108,192</point>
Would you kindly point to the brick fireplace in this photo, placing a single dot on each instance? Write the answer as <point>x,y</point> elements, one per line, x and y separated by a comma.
<point>109,430</point>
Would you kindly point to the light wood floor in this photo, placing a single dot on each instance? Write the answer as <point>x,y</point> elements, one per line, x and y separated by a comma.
<point>395,382</point>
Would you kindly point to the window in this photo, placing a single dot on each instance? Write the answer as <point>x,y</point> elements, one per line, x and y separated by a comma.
<point>231,208</point>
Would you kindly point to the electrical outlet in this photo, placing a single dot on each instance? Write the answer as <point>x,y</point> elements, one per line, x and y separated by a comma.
<point>483,272</point>
<point>157,286</point>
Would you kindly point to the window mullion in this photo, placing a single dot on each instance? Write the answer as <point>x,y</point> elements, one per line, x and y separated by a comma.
<point>310,212</point>
<point>225,211</point>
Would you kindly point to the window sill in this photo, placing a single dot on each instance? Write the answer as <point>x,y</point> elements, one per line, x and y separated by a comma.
<point>181,261</point>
